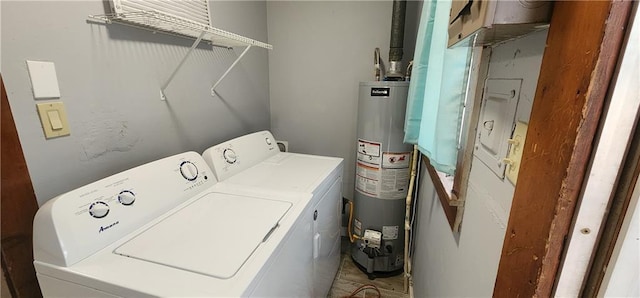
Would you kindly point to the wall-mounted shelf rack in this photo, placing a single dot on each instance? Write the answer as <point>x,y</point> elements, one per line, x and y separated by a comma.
<point>157,21</point>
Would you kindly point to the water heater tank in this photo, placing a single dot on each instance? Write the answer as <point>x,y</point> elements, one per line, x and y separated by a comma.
<point>382,178</point>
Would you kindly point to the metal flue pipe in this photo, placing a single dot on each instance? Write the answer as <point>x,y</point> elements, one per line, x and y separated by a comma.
<point>397,40</point>
<point>397,30</point>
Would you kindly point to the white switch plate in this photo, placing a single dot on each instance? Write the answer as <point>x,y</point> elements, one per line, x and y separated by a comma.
<point>54,119</point>
<point>44,80</point>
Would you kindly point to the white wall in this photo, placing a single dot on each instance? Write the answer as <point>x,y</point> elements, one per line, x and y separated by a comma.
<point>322,50</point>
<point>110,78</point>
<point>466,265</point>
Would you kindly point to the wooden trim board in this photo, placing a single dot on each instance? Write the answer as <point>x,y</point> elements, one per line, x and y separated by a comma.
<point>583,44</point>
<point>627,180</point>
<point>19,206</point>
<point>443,195</point>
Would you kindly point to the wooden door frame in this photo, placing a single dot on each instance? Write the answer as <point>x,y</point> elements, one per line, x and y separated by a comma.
<point>19,206</point>
<point>615,218</point>
<point>625,189</point>
<point>583,45</point>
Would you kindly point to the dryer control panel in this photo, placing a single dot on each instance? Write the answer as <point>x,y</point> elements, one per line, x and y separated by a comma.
<point>77,224</point>
<point>236,155</point>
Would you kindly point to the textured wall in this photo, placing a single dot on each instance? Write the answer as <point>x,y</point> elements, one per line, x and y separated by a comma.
<point>110,78</point>
<point>466,265</point>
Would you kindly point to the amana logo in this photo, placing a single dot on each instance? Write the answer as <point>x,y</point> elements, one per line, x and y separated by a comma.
<point>104,228</point>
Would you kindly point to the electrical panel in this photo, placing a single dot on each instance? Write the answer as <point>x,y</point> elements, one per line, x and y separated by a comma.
<point>497,118</point>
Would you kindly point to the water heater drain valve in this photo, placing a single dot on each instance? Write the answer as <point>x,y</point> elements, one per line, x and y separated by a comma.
<point>372,238</point>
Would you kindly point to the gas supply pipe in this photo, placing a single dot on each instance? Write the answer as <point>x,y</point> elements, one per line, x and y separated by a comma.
<point>407,219</point>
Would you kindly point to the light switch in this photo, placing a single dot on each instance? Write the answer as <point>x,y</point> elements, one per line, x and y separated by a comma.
<point>44,80</point>
<point>514,157</point>
<point>54,119</point>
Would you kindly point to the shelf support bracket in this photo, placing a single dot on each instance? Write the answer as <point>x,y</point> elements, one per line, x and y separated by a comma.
<point>175,71</point>
<point>213,89</point>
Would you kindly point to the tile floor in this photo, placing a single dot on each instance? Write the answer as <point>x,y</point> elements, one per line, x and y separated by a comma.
<point>349,278</point>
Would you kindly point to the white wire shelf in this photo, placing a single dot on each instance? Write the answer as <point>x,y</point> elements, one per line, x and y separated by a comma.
<point>161,22</point>
<point>157,21</point>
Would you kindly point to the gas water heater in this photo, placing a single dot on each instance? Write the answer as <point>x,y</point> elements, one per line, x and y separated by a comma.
<point>382,179</point>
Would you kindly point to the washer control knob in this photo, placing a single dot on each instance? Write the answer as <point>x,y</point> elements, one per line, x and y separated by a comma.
<point>99,209</point>
<point>188,170</point>
<point>268,141</point>
<point>229,155</point>
<point>126,197</point>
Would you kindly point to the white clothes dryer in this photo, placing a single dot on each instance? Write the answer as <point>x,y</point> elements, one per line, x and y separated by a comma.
<point>254,163</point>
<point>166,229</point>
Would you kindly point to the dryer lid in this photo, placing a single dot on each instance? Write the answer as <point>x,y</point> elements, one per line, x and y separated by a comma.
<point>288,171</point>
<point>215,235</point>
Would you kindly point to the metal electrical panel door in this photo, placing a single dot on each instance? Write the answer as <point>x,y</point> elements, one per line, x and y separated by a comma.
<point>497,117</point>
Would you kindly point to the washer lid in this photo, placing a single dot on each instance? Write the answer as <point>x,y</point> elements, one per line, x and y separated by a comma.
<point>214,235</point>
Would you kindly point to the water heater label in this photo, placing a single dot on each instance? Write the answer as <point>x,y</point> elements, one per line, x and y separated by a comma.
<point>395,160</point>
<point>377,91</point>
<point>369,152</point>
<point>383,175</point>
<point>394,183</point>
<point>357,227</point>
<point>389,232</point>
<point>367,179</point>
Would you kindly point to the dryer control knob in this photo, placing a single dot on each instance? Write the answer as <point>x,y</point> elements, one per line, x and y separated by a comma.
<point>188,170</point>
<point>126,197</point>
<point>99,209</point>
<point>229,156</point>
<point>268,141</point>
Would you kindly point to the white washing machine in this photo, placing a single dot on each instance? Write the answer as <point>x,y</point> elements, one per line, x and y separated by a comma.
<point>167,229</point>
<point>254,163</point>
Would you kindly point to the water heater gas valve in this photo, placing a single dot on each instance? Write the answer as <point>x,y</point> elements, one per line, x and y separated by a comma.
<point>372,238</point>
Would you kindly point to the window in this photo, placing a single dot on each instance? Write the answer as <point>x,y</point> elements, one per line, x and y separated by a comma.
<point>442,109</point>
<point>452,189</point>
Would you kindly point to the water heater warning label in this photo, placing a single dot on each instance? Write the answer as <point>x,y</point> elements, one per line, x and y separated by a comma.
<point>394,160</point>
<point>369,153</point>
<point>394,183</point>
<point>382,183</point>
<point>383,175</point>
<point>357,227</point>
<point>368,179</point>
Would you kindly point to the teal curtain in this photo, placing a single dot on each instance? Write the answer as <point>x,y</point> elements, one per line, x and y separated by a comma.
<point>437,89</point>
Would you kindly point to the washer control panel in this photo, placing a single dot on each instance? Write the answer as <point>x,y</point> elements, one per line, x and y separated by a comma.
<point>233,156</point>
<point>91,217</point>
